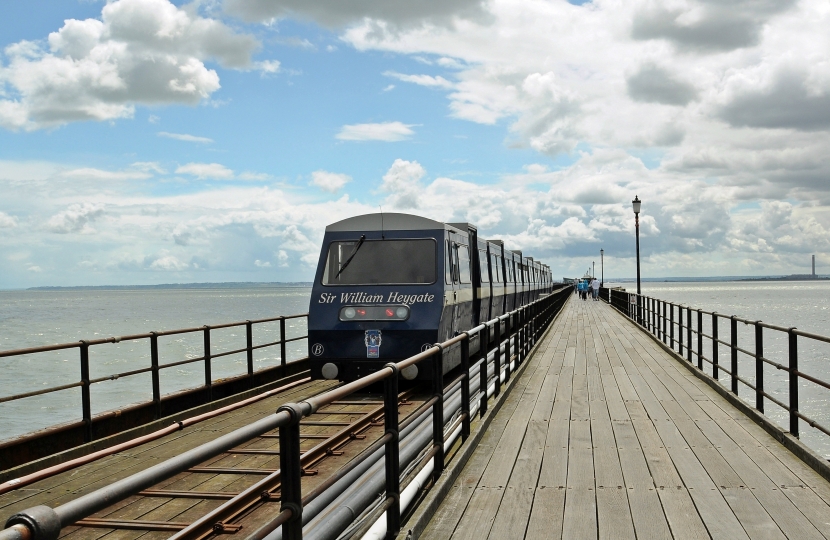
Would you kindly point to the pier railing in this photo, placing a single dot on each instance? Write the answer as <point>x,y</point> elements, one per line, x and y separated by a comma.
<point>684,330</point>
<point>155,368</point>
<point>372,492</point>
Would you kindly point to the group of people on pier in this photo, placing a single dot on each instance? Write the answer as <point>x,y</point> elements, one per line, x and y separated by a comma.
<point>585,286</point>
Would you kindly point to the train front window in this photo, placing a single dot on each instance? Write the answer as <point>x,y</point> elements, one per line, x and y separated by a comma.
<point>380,262</point>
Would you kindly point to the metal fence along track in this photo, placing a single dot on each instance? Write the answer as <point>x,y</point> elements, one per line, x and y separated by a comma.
<point>396,442</point>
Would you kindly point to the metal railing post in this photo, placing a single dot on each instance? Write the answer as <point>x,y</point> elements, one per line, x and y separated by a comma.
<point>86,400</point>
<point>282,344</point>
<point>734,354</point>
<point>438,412</point>
<point>497,362</point>
<point>291,473</point>
<point>465,386</point>
<point>671,326</point>
<point>759,367</point>
<point>249,341</point>
<point>699,340</point>
<point>793,346</point>
<point>714,345</point>
<point>154,374</point>
<point>665,320</point>
<point>208,377</point>
<point>391,457</point>
<point>689,334</point>
<point>498,356</point>
<point>482,372</point>
<point>680,330</point>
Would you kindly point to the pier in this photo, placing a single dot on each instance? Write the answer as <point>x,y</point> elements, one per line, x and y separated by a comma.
<point>606,435</point>
<point>594,429</point>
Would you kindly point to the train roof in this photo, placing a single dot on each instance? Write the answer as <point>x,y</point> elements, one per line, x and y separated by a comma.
<point>388,221</point>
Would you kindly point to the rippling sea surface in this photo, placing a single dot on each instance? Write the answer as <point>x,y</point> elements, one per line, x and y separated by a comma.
<point>801,304</point>
<point>34,318</point>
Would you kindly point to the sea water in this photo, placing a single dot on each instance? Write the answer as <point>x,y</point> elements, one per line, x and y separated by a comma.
<point>33,318</point>
<point>801,304</point>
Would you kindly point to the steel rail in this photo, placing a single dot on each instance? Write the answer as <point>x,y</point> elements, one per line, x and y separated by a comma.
<point>17,483</point>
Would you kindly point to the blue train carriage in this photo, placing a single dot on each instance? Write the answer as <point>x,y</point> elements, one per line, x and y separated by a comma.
<point>388,286</point>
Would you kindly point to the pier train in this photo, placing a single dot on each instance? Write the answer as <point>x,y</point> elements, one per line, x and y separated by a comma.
<point>390,285</point>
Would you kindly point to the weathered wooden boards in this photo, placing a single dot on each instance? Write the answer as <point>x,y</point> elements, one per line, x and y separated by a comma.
<point>607,436</point>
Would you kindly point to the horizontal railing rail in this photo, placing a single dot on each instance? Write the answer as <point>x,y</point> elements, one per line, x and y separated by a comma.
<point>412,451</point>
<point>681,328</point>
<point>155,367</point>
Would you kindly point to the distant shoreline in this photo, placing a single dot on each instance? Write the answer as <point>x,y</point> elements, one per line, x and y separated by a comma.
<point>224,285</point>
<point>796,277</point>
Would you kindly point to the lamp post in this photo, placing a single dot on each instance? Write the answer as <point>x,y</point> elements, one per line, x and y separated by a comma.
<point>602,267</point>
<point>593,269</point>
<point>636,203</point>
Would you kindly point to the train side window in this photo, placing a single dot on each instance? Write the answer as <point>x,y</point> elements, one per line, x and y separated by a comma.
<point>482,266</point>
<point>463,263</point>
<point>448,265</point>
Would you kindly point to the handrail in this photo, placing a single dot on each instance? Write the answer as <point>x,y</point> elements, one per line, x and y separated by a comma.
<point>650,313</point>
<point>448,413</point>
<point>155,366</point>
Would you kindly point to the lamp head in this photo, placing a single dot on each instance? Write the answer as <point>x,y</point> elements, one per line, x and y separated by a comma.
<point>636,202</point>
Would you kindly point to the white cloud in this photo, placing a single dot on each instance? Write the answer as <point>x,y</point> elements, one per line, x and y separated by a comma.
<point>329,181</point>
<point>386,131</point>
<point>7,221</point>
<point>204,171</point>
<point>267,66</point>
<point>261,264</point>
<point>422,80</point>
<point>139,52</point>
<point>75,219</point>
<point>389,88</point>
<point>148,166</point>
<point>402,182</point>
<point>184,137</point>
<point>89,173</point>
<point>169,263</point>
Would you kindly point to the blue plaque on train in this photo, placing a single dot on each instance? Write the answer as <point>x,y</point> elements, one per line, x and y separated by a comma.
<point>372,340</point>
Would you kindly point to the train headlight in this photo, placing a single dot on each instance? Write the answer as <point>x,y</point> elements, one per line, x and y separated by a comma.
<point>374,313</point>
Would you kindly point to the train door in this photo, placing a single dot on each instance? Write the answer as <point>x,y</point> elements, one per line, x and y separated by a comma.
<point>466,291</point>
<point>485,284</point>
<point>449,316</point>
<point>475,276</point>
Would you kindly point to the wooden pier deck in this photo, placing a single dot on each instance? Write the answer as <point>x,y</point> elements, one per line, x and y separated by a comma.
<point>605,435</point>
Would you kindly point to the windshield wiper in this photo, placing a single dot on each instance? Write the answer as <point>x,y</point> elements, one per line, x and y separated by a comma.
<point>346,263</point>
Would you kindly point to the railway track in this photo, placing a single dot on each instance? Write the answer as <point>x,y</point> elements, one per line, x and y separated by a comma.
<point>239,489</point>
<point>341,463</point>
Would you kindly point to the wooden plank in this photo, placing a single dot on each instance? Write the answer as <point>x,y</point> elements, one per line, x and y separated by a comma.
<point>513,514</point>
<point>580,519</point>
<point>479,515</point>
<point>681,514</point>
<point>554,472</point>
<point>613,514</point>
<point>547,514</point>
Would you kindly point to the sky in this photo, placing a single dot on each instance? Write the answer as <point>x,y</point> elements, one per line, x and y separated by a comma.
<point>150,141</point>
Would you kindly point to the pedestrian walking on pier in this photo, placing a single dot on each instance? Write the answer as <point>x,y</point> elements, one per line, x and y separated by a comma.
<point>595,288</point>
<point>583,289</point>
